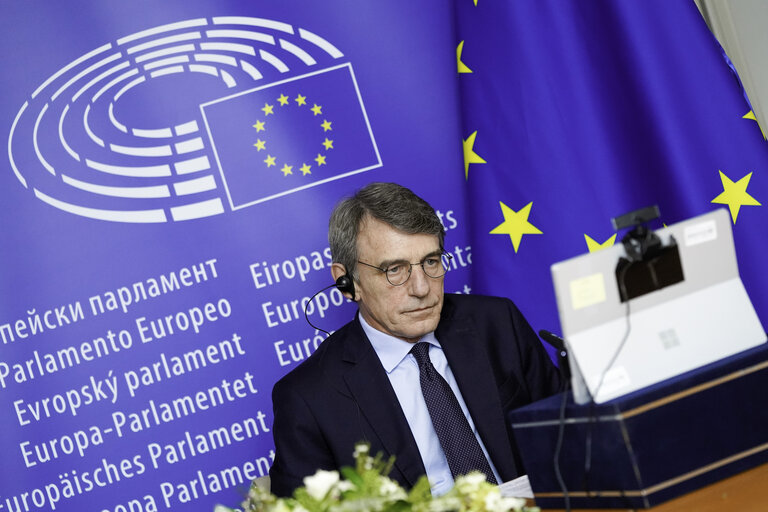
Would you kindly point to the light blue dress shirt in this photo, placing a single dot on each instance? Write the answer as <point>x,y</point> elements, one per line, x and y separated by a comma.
<point>403,373</point>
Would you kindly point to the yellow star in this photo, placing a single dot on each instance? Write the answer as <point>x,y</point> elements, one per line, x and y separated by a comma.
<point>320,159</point>
<point>287,169</point>
<point>305,169</point>
<point>596,246</point>
<point>326,125</point>
<point>260,144</point>
<point>268,109</point>
<point>259,126</point>
<point>735,194</point>
<point>301,100</point>
<point>317,109</point>
<point>515,224</point>
<point>462,67</point>
<point>283,100</point>
<point>328,144</point>
<point>470,157</point>
<point>270,161</point>
<point>751,115</point>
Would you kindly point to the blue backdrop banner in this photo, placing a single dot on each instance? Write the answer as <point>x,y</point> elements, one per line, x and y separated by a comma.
<point>171,167</point>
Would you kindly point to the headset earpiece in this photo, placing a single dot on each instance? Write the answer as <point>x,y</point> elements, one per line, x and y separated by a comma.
<point>345,285</point>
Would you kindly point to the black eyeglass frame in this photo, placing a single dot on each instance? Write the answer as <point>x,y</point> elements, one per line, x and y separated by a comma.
<point>445,265</point>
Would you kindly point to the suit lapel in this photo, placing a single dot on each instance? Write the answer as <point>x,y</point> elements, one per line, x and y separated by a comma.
<point>468,359</point>
<point>368,383</point>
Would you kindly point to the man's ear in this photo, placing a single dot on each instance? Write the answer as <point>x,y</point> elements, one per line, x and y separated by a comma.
<point>343,280</point>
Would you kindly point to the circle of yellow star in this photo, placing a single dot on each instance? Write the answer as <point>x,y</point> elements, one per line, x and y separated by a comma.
<point>261,145</point>
<point>516,224</point>
<point>735,194</point>
<point>470,157</point>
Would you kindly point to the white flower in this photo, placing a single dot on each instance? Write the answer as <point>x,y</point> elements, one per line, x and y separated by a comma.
<point>474,479</point>
<point>320,483</point>
<point>469,483</point>
<point>515,503</point>
<point>344,486</point>
<point>360,449</point>
<point>390,489</point>
<point>299,508</point>
<point>494,502</point>
<point>444,504</point>
<point>280,506</point>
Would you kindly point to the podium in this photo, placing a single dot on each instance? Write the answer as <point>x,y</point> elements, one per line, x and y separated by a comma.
<point>650,446</point>
<point>744,492</point>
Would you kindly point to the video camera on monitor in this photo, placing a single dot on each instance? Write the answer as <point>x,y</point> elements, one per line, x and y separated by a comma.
<point>649,265</point>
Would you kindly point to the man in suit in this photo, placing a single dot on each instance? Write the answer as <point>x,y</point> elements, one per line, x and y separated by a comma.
<point>364,383</point>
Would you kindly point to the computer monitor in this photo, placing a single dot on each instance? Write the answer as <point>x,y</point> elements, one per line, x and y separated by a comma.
<point>703,318</point>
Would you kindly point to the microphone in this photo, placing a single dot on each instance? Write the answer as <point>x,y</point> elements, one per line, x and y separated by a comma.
<point>344,284</point>
<point>562,353</point>
<point>554,340</point>
<point>306,316</point>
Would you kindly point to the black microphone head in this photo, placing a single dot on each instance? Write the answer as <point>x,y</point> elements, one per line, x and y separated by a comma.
<point>553,339</point>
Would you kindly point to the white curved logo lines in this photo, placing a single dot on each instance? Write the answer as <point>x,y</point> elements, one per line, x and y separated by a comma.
<point>119,134</point>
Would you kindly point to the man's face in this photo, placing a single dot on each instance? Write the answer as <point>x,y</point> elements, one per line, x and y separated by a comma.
<point>410,310</point>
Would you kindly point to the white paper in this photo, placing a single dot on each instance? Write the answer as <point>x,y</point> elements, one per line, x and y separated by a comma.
<point>518,488</point>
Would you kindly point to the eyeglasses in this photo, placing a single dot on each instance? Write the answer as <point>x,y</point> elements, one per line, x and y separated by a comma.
<point>398,273</point>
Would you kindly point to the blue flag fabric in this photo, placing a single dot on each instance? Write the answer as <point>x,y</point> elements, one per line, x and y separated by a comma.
<point>577,112</point>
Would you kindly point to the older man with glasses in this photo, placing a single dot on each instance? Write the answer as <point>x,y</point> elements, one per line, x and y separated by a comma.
<point>418,374</point>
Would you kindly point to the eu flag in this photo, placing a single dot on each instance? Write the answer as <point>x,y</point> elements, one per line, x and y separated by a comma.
<point>291,134</point>
<point>577,112</point>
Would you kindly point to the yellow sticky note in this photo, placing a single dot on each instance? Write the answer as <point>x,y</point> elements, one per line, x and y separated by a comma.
<point>587,290</point>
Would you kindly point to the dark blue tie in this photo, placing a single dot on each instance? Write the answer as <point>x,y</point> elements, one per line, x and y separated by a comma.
<point>459,443</point>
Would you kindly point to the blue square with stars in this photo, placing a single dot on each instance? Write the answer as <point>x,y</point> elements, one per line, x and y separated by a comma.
<point>290,135</point>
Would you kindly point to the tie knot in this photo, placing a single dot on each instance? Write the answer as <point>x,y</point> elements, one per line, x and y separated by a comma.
<point>421,352</point>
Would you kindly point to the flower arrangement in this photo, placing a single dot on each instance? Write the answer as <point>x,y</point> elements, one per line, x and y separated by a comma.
<point>366,487</point>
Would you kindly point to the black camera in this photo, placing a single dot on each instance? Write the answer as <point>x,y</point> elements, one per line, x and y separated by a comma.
<point>649,265</point>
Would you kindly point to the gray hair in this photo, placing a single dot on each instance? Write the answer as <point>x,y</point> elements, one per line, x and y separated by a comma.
<point>390,203</point>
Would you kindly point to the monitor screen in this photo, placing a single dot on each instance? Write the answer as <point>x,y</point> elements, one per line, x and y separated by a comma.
<point>699,315</point>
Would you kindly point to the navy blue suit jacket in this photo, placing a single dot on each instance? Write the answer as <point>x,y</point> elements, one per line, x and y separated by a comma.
<point>341,394</point>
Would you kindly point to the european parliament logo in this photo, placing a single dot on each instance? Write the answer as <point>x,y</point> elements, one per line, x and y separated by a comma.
<point>190,119</point>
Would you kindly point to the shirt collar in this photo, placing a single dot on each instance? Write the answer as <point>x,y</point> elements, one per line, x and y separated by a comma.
<point>392,350</point>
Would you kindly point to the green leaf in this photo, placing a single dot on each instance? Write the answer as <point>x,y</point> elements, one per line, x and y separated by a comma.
<point>350,474</point>
<point>398,506</point>
<point>420,492</point>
